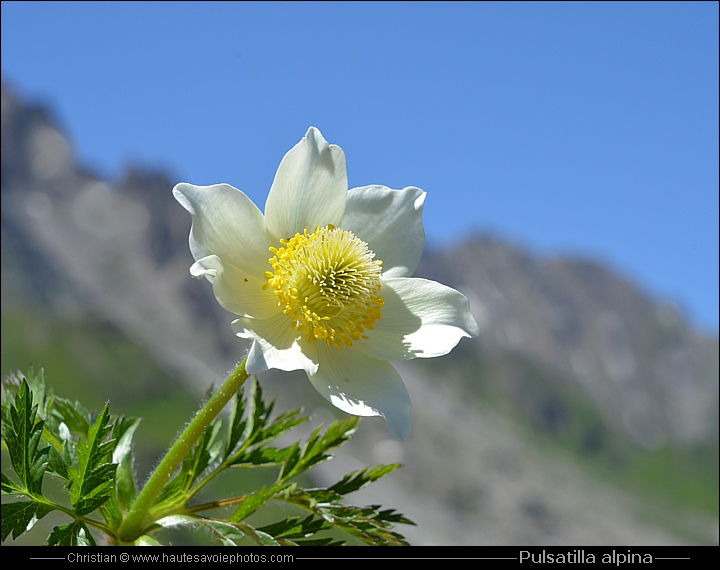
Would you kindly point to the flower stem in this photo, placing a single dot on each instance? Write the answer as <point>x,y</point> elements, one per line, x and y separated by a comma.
<point>132,525</point>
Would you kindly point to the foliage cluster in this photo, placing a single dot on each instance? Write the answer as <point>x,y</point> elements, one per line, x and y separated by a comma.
<point>92,454</point>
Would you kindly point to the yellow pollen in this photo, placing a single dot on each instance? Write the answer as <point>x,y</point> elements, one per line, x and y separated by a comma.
<point>327,282</point>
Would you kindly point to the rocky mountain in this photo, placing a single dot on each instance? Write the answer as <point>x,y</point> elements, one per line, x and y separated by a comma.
<point>640,362</point>
<point>570,352</point>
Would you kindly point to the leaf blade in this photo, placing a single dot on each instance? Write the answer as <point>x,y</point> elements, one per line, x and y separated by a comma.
<point>21,516</point>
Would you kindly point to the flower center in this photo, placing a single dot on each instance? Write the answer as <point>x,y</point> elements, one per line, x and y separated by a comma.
<point>327,282</point>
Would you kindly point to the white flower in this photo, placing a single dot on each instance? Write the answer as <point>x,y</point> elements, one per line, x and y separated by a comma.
<point>322,282</point>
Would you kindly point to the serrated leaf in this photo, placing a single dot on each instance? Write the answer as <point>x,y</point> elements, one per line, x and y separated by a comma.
<point>236,427</point>
<point>69,449</point>
<point>73,534</point>
<point>391,516</point>
<point>258,412</point>
<point>258,537</point>
<point>255,500</point>
<point>323,496</point>
<point>293,527</point>
<point>21,516</point>
<point>122,456</point>
<point>110,512</point>
<point>288,527</point>
<point>56,464</point>
<point>73,415</point>
<point>8,389</point>
<point>258,429</point>
<point>316,446</point>
<point>91,481</point>
<point>367,524</point>
<point>266,432</point>
<point>9,487</point>
<point>359,479</point>
<point>227,534</point>
<point>22,435</point>
<point>93,465</point>
<point>42,394</point>
<point>363,523</point>
<point>262,457</point>
<point>122,432</point>
<point>292,457</point>
<point>98,488</point>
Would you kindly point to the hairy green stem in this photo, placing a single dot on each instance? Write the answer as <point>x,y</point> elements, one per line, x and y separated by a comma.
<point>132,525</point>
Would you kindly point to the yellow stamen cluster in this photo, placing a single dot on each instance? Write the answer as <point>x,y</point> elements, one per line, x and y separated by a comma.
<point>327,282</point>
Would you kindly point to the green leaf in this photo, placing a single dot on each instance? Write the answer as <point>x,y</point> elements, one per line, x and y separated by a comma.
<point>361,523</point>
<point>92,480</point>
<point>255,500</point>
<point>258,413</point>
<point>98,471</point>
<point>359,479</point>
<point>9,487</point>
<point>293,527</point>
<point>69,453</point>
<point>258,429</point>
<point>22,435</point>
<point>261,457</point>
<point>230,534</point>
<point>391,516</point>
<point>316,446</point>
<point>22,516</point>
<point>56,464</point>
<point>177,520</point>
<point>42,394</point>
<point>73,534</point>
<point>74,416</point>
<point>227,534</point>
<point>236,427</point>
<point>118,504</point>
<point>321,542</point>
<point>258,537</point>
<point>123,432</point>
<point>367,524</point>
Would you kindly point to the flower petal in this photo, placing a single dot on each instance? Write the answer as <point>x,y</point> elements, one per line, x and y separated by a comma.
<point>309,190</point>
<point>390,222</point>
<point>363,386</point>
<point>225,223</point>
<point>236,290</point>
<point>420,319</point>
<point>275,345</point>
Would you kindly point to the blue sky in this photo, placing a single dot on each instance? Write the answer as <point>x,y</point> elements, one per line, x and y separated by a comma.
<point>588,129</point>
